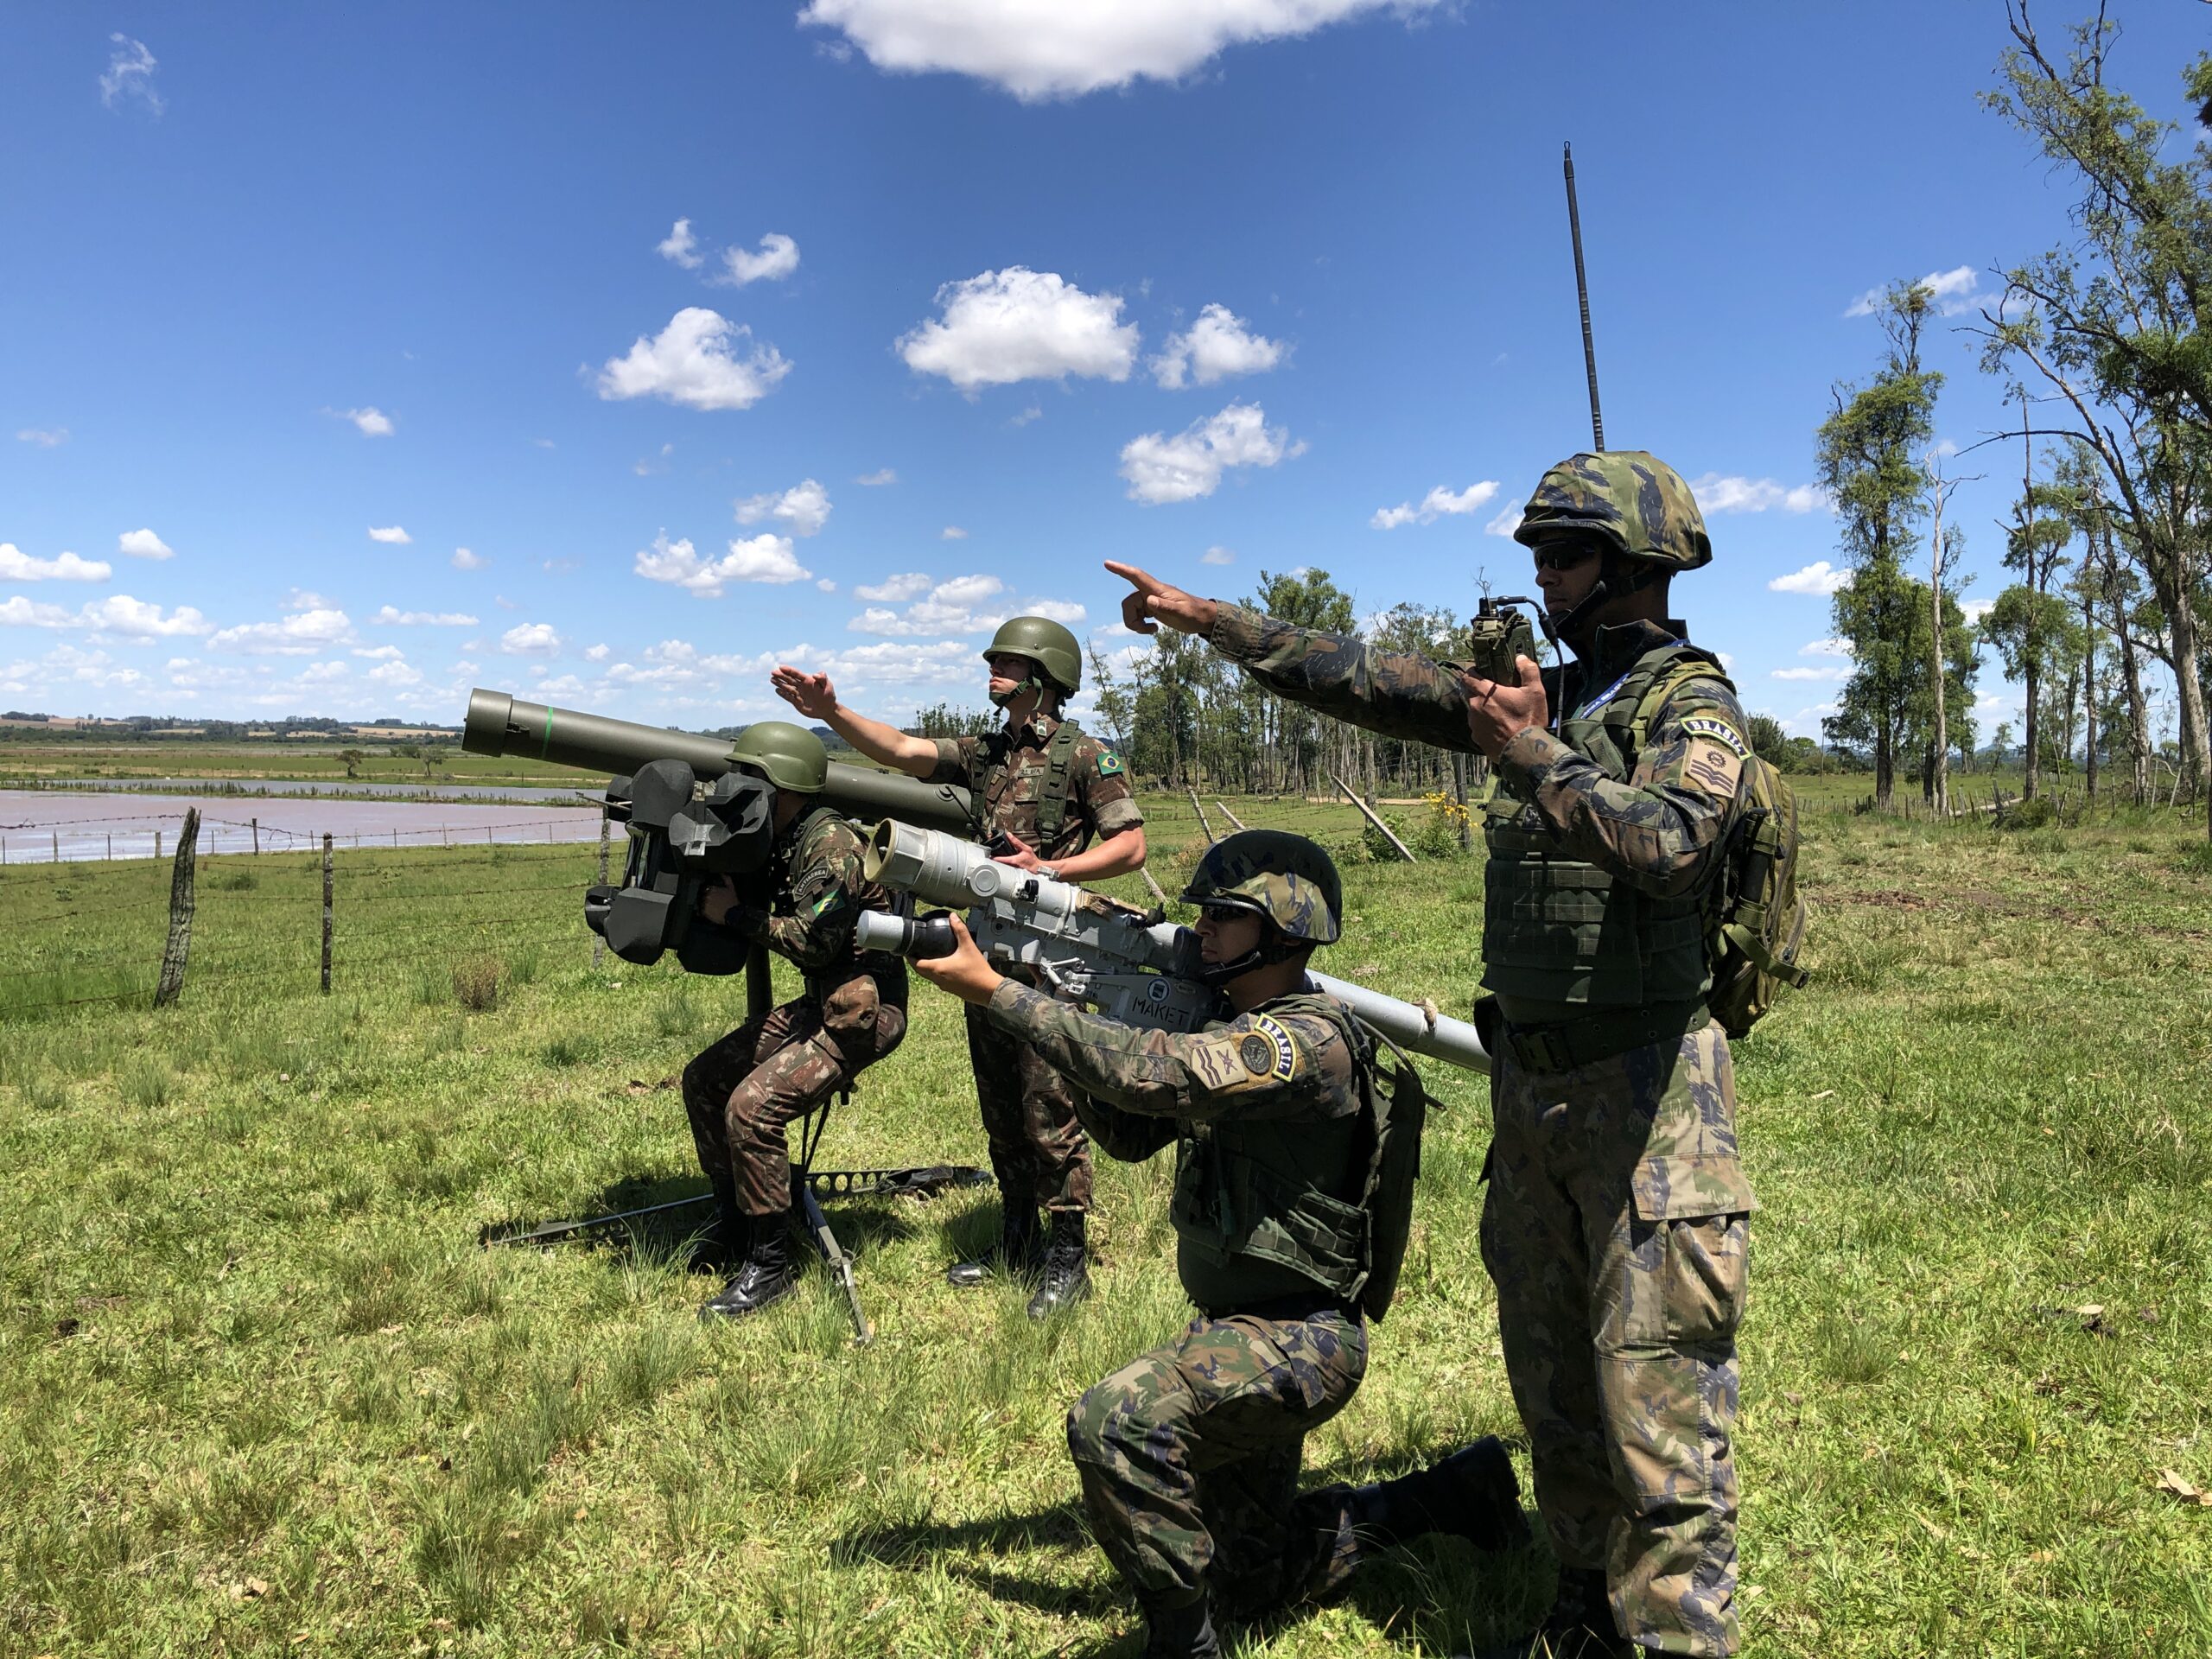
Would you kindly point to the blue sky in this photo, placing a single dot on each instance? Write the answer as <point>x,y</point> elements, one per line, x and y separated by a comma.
<point>1001,304</point>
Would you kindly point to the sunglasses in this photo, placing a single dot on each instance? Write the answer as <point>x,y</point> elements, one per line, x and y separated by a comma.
<point>1222,915</point>
<point>1562,556</point>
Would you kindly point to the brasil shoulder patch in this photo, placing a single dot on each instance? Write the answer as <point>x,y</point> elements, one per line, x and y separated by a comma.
<point>1719,731</point>
<point>1268,1051</point>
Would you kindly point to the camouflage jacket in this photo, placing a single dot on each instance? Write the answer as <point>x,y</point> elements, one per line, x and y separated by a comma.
<point>1268,1106</point>
<point>1013,764</point>
<point>1659,828</point>
<point>815,893</point>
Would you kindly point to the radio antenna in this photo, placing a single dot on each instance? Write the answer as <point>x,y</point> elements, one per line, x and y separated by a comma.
<point>1582,294</point>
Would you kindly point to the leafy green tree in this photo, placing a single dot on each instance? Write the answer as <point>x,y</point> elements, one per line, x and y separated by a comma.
<point>352,758</point>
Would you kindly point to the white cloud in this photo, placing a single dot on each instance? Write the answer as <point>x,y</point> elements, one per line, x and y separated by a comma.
<point>950,608</point>
<point>372,421</point>
<point>1818,578</point>
<point>1812,673</point>
<point>390,617</point>
<point>1827,648</point>
<point>894,590</point>
<point>695,362</point>
<point>392,535</point>
<point>1437,503</point>
<point>596,653</point>
<point>953,533</point>
<point>766,558</point>
<point>394,673</point>
<point>1216,555</point>
<point>1974,609</point>
<point>130,75</point>
<point>319,673</point>
<point>877,479</point>
<point>777,258</point>
<point>1019,324</point>
<point>1056,48</point>
<point>303,633</point>
<point>378,653</point>
<point>680,245</point>
<point>966,590</point>
<point>1055,610</point>
<point>1952,292</point>
<point>17,612</point>
<point>804,507</point>
<point>15,565</point>
<point>142,545</point>
<point>45,438</point>
<point>825,584</point>
<point>136,619</point>
<point>1216,346</point>
<point>530,639</point>
<point>1034,412</point>
<point>1717,495</point>
<point>465,560</point>
<point>1160,469</point>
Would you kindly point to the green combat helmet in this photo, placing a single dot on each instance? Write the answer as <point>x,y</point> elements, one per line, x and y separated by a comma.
<point>1628,499</point>
<point>1044,643</point>
<point>790,756</point>
<point>1284,878</point>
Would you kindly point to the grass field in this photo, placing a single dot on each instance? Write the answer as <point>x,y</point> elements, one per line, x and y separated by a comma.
<point>262,1392</point>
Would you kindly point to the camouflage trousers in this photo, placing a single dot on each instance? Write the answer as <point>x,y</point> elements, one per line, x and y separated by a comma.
<point>1617,1228</point>
<point>1188,1458</point>
<point>745,1091</point>
<point>1038,1150</point>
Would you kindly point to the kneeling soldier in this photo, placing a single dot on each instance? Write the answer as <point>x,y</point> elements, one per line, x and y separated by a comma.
<point>743,1092</point>
<point>1189,1456</point>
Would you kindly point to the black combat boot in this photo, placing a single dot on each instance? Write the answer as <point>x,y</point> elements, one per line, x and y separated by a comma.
<point>765,1277</point>
<point>1578,1626</point>
<point>1184,1632</point>
<point>1472,1494</point>
<point>1019,1251</point>
<point>727,1239</point>
<point>1067,1266</point>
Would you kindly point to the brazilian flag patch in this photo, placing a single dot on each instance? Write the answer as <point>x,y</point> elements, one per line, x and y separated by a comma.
<point>1108,763</point>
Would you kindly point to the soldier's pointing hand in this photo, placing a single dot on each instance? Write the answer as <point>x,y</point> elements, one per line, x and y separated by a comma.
<point>1498,713</point>
<point>810,694</point>
<point>1154,603</point>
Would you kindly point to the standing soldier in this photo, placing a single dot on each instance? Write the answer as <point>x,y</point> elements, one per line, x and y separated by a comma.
<point>1290,1218</point>
<point>1618,1216</point>
<point>1045,791</point>
<point>743,1093</point>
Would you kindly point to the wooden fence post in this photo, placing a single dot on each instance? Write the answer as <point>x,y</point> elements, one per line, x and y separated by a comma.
<point>1231,816</point>
<point>1201,811</point>
<point>255,823</point>
<point>1150,881</point>
<point>1368,812</point>
<point>1459,794</point>
<point>326,913</point>
<point>157,846</point>
<point>178,944</point>
<point>598,941</point>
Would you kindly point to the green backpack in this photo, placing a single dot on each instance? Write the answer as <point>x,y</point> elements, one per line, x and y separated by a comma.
<point>1755,922</point>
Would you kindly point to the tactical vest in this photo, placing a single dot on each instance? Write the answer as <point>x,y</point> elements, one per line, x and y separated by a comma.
<point>997,749</point>
<point>1557,928</point>
<point>1329,1202</point>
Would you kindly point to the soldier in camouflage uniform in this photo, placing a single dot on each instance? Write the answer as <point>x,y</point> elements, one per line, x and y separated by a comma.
<point>1616,1221</point>
<point>1189,1456</point>
<point>1045,791</point>
<point>743,1093</point>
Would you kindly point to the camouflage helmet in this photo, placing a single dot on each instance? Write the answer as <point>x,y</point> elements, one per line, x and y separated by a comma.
<point>1044,643</point>
<point>1629,499</point>
<point>790,756</point>
<point>1284,878</point>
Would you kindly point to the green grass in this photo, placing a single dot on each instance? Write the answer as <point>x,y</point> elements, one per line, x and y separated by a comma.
<point>261,1391</point>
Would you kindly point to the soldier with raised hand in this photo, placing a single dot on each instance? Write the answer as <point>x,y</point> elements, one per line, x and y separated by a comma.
<point>743,1093</point>
<point>1616,1221</point>
<point>1045,792</point>
<point>1286,1243</point>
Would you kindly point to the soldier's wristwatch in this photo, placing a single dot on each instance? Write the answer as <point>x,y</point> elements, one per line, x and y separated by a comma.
<point>1050,872</point>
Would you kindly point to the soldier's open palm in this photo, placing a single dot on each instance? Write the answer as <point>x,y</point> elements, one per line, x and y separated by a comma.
<point>810,694</point>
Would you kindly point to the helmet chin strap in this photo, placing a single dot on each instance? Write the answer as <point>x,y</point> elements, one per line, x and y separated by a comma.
<point>1275,949</point>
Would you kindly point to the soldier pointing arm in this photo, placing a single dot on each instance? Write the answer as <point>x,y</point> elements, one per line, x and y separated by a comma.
<point>1616,1220</point>
<point>1052,797</point>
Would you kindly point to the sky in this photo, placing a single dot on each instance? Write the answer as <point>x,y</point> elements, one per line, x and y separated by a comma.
<point>350,357</point>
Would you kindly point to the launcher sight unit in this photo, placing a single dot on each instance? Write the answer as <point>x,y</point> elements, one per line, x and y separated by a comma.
<point>691,818</point>
<point>1499,635</point>
<point>1131,965</point>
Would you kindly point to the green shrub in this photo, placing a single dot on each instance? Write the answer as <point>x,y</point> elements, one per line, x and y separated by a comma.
<point>2038,814</point>
<point>476,983</point>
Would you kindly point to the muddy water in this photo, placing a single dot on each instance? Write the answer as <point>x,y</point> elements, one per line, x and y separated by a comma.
<point>38,827</point>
